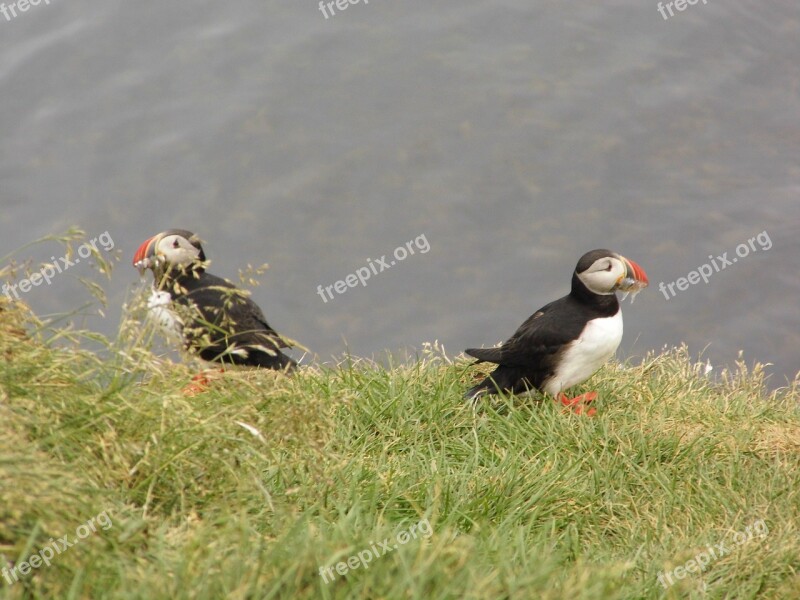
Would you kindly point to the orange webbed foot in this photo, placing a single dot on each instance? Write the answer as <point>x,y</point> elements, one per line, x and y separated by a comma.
<point>578,404</point>
<point>201,382</point>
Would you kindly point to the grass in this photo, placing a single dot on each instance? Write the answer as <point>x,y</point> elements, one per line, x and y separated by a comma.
<point>247,490</point>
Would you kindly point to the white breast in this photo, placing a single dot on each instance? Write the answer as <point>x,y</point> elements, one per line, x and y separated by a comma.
<point>596,344</point>
<point>160,312</point>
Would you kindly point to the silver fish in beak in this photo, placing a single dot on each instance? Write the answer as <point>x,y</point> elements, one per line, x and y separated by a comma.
<point>634,280</point>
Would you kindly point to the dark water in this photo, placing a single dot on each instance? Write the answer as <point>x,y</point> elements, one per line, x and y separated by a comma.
<point>513,135</point>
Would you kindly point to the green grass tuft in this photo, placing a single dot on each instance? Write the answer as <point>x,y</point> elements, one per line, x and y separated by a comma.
<point>247,490</point>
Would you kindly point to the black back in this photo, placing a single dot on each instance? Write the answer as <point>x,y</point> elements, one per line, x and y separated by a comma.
<point>222,318</point>
<point>529,357</point>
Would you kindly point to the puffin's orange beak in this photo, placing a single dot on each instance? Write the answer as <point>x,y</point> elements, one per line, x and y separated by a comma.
<point>635,272</point>
<point>143,259</point>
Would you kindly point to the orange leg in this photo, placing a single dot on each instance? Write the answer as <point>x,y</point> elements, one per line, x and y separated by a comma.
<point>201,382</point>
<point>578,403</point>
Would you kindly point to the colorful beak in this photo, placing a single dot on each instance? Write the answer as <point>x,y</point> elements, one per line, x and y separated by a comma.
<point>635,277</point>
<point>143,259</point>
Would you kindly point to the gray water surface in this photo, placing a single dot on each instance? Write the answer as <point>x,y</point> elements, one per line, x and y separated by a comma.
<point>514,135</point>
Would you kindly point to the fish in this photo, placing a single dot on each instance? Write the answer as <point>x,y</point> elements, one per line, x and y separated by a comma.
<point>631,286</point>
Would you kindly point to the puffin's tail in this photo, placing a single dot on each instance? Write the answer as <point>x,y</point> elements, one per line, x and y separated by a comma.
<point>486,386</point>
<point>278,361</point>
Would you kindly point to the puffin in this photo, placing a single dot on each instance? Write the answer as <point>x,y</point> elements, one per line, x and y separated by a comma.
<point>217,321</point>
<point>566,341</point>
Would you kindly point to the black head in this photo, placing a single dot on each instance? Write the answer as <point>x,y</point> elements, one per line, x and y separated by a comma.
<point>174,249</point>
<point>604,272</point>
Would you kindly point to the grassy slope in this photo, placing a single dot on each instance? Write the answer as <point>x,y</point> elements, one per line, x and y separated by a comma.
<point>523,501</point>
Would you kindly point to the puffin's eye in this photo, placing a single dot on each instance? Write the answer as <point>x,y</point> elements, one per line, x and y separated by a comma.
<point>175,244</point>
<point>608,268</point>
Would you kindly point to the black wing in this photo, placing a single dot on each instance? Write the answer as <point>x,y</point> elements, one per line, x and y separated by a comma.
<point>528,358</point>
<point>544,333</point>
<point>227,325</point>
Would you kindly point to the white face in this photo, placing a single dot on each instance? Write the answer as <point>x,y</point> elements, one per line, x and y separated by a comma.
<point>604,276</point>
<point>176,251</point>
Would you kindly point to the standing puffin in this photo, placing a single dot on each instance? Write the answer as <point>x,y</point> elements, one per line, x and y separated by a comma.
<point>217,321</point>
<point>563,343</point>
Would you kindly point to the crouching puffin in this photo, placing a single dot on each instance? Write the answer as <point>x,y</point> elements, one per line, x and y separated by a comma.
<point>563,343</point>
<point>217,321</point>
